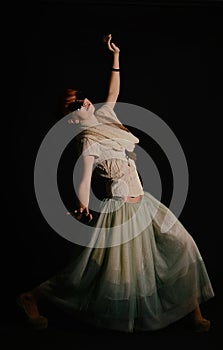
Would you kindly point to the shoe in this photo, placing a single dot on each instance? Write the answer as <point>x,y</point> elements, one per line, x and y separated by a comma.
<point>28,306</point>
<point>202,325</point>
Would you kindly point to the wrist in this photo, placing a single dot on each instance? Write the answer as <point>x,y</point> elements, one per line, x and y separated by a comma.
<point>115,58</point>
<point>115,63</point>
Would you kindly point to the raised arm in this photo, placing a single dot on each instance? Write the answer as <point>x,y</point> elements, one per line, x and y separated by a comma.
<point>114,82</point>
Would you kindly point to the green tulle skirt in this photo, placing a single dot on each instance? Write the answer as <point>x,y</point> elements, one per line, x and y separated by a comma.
<point>141,271</point>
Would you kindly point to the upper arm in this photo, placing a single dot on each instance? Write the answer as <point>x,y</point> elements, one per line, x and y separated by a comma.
<point>107,111</point>
<point>87,168</point>
<point>111,100</point>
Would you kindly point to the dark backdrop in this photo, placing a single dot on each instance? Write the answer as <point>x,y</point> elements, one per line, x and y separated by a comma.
<point>171,54</point>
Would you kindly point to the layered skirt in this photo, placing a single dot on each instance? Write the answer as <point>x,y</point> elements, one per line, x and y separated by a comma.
<point>141,270</point>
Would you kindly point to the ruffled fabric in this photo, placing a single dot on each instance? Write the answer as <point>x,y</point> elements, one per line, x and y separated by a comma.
<point>142,271</point>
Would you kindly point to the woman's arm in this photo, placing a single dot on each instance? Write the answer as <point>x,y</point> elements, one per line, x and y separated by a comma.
<point>84,187</point>
<point>114,82</point>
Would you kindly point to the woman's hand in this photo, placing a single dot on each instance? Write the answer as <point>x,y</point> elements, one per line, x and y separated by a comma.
<point>82,214</point>
<point>111,46</point>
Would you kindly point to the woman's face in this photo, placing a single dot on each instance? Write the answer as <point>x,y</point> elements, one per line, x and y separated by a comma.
<point>86,110</point>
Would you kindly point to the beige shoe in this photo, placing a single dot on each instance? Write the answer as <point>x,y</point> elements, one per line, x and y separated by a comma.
<point>27,304</point>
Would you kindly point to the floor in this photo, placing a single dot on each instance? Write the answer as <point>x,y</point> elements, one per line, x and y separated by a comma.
<point>65,332</point>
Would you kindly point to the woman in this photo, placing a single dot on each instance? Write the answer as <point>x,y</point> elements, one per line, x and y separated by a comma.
<point>133,275</point>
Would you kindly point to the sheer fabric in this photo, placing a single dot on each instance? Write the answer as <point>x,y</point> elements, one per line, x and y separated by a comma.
<point>135,276</point>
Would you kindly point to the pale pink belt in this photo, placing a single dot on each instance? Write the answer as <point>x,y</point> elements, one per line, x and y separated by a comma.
<point>132,199</point>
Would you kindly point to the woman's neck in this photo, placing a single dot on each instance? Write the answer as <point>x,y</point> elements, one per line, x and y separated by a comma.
<point>90,120</point>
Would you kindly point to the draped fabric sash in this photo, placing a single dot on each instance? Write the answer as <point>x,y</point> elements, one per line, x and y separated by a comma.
<point>118,135</point>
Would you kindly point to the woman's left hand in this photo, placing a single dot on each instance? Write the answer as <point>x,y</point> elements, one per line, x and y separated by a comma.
<point>111,46</point>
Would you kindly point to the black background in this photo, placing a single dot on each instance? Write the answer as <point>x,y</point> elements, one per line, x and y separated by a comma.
<point>171,55</point>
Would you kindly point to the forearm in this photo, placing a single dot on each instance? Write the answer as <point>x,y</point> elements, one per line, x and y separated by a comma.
<point>83,194</point>
<point>114,82</point>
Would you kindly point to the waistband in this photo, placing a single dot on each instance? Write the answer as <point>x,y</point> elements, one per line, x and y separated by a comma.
<point>129,199</point>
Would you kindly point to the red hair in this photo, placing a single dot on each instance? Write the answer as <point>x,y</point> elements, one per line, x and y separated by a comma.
<point>70,96</point>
